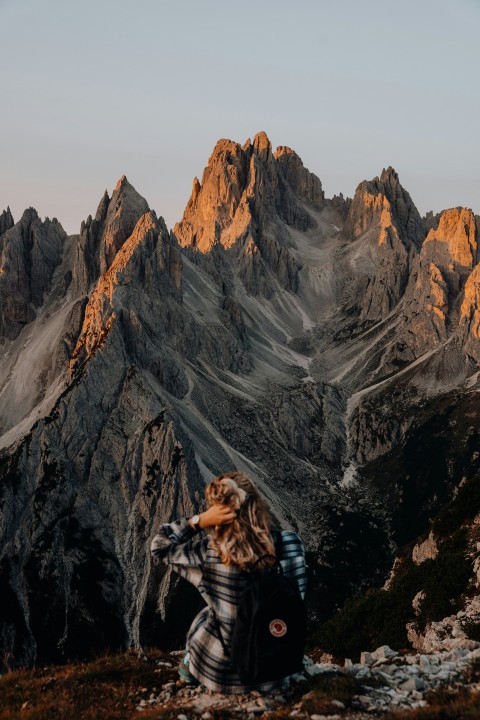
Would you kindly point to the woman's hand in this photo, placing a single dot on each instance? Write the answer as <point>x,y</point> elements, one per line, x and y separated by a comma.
<point>217,514</point>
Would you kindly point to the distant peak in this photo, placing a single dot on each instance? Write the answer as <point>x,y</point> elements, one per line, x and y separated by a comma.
<point>283,150</point>
<point>262,145</point>
<point>102,207</point>
<point>29,215</point>
<point>121,183</point>
<point>126,193</point>
<point>389,176</point>
<point>196,188</point>
<point>224,145</point>
<point>6,220</point>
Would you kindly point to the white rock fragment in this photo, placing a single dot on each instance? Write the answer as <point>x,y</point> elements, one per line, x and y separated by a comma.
<point>366,658</point>
<point>384,652</point>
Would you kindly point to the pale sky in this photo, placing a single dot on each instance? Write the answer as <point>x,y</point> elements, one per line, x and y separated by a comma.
<point>92,90</point>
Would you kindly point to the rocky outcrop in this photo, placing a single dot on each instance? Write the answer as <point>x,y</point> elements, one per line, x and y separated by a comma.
<point>74,574</point>
<point>453,244</point>
<point>426,550</point>
<point>430,220</point>
<point>341,207</point>
<point>31,251</point>
<point>146,259</point>
<point>470,315</point>
<point>438,278</point>
<point>383,203</point>
<point>6,222</point>
<point>446,635</point>
<point>388,232</point>
<point>102,237</point>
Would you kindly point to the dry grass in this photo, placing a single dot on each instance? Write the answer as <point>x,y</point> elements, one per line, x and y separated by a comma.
<point>111,686</point>
<point>460,707</point>
<point>449,702</point>
<point>107,688</point>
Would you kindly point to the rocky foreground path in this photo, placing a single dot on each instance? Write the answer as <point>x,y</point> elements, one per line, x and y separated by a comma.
<point>143,684</point>
<point>383,684</point>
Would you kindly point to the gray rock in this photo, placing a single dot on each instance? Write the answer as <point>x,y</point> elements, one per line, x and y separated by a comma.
<point>6,222</point>
<point>135,367</point>
<point>367,658</point>
<point>30,252</point>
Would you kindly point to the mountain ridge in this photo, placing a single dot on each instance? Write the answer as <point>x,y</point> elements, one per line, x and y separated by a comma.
<point>294,337</point>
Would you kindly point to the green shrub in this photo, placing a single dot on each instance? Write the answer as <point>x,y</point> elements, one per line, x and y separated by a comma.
<point>366,621</point>
<point>472,630</point>
<point>460,510</point>
<point>379,617</point>
<point>446,580</point>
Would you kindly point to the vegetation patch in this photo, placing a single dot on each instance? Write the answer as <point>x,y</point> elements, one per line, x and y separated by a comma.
<point>322,689</point>
<point>377,616</point>
<point>472,630</point>
<point>108,688</point>
<point>445,703</point>
<point>462,509</point>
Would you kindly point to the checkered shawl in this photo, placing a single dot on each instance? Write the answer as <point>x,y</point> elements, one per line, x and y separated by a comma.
<point>187,551</point>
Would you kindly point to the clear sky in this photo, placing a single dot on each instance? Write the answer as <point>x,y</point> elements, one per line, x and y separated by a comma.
<point>93,89</point>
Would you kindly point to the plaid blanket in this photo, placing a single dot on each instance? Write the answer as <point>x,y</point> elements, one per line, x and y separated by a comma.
<point>187,551</point>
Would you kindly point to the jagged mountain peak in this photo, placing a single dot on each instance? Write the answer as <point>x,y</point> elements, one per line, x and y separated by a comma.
<point>30,252</point>
<point>101,238</point>
<point>29,215</point>
<point>390,176</point>
<point>239,178</point>
<point>262,146</point>
<point>390,233</point>
<point>283,150</point>
<point>102,206</point>
<point>451,246</point>
<point>111,292</point>
<point>384,202</point>
<point>223,148</point>
<point>122,182</point>
<point>125,192</point>
<point>451,217</point>
<point>6,220</point>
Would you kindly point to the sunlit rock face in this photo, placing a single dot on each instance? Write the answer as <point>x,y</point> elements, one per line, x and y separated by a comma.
<point>437,289</point>
<point>321,345</point>
<point>247,195</point>
<point>387,232</point>
<point>102,237</point>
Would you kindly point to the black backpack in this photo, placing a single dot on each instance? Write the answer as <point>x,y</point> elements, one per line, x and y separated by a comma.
<point>269,634</point>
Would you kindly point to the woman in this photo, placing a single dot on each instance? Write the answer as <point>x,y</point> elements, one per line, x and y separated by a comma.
<point>240,531</point>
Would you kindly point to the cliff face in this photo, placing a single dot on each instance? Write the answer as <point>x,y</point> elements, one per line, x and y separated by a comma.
<point>102,237</point>
<point>301,339</point>
<point>6,221</point>
<point>31,250</point>
<point>387,232</point>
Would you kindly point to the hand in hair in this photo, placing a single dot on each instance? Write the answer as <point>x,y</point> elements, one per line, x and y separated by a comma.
<point>218,514</point>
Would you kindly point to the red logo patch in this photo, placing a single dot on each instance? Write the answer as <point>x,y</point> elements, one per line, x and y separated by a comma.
<point>278,628</point>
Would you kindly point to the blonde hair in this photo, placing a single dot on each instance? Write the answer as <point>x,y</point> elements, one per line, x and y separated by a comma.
<point>248,537</point>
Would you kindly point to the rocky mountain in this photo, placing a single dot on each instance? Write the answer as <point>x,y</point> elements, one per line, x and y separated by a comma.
<point>328,347</point>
